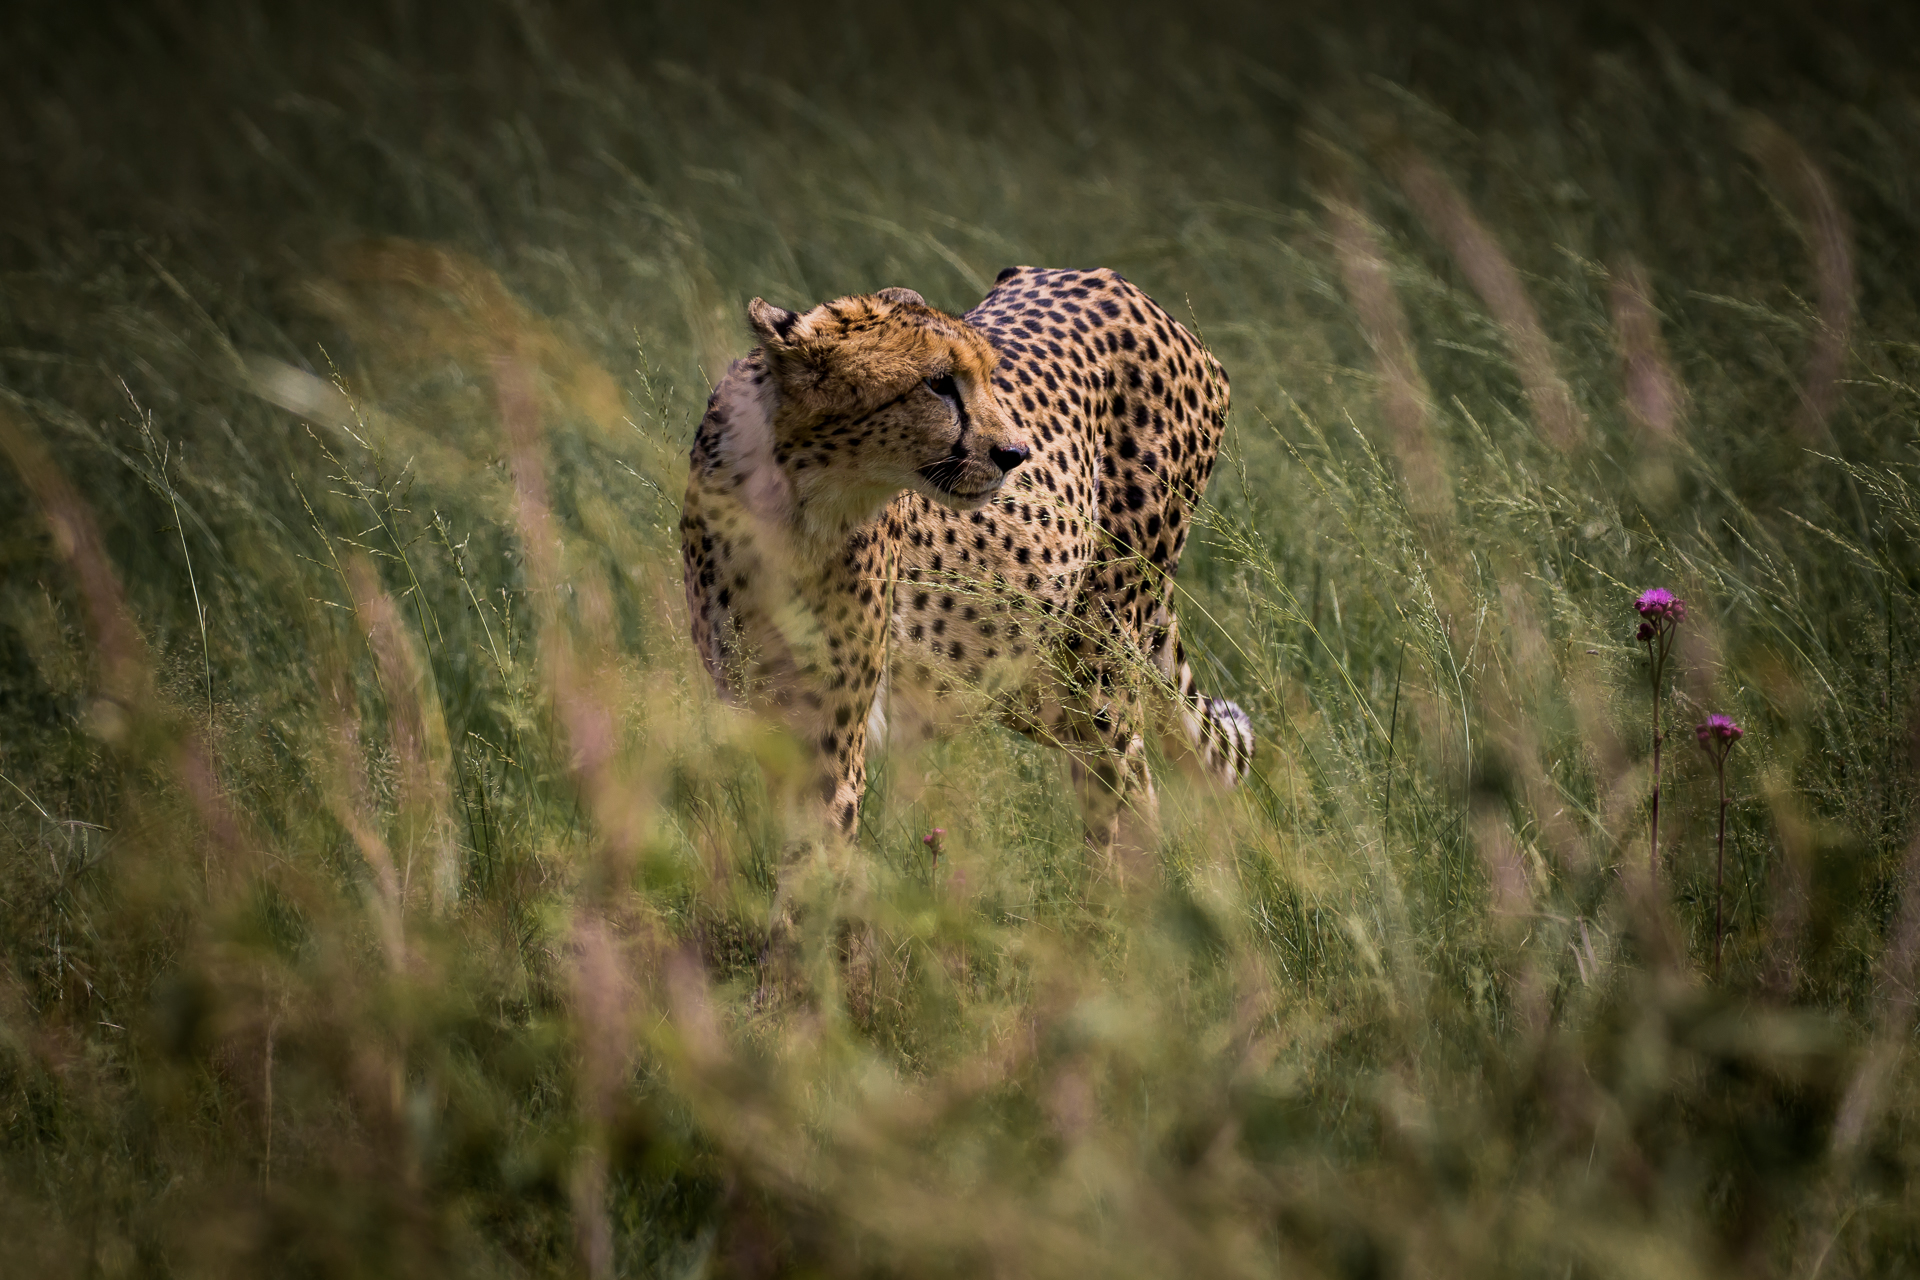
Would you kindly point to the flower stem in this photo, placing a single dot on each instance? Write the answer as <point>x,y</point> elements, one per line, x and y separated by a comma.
<point>1653,851</point>
<point>1720,866</point>
<point>1656,660</point>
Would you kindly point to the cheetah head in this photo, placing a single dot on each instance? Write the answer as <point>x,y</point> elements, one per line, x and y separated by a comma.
<point>879,393</point>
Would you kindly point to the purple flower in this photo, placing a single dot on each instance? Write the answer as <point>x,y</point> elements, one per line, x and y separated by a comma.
<point>1718,729</point>
<point>1654,603</point>
<point>933,836</point>
<point>1660,615</point>
<point>1661,605</point>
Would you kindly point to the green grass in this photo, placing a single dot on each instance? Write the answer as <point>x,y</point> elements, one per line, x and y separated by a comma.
<point>382,890</point>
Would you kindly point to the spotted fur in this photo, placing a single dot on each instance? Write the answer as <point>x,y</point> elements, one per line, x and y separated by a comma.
<point>898,516</point>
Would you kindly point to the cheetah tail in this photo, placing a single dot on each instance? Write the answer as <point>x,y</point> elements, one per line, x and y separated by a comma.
<point>1217,729</point>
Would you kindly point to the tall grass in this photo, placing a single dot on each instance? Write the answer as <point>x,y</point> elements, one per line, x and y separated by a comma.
<point>384,892</point>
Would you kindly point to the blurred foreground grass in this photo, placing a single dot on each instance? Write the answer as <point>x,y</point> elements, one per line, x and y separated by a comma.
<point>381,890</point>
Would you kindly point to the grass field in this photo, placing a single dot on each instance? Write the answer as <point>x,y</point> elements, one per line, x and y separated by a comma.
<point>382,891</point>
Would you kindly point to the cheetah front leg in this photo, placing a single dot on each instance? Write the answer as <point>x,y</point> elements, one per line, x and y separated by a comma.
<point>816,669</point>
<point>812,650</point>
<point>819,797</point>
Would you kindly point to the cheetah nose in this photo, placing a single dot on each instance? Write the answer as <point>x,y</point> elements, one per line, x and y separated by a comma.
<point>1008,456</point>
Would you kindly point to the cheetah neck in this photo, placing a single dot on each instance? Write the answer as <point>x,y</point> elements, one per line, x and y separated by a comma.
<point>743,409</point>
<point>816,514</point>
<point>828,513</point>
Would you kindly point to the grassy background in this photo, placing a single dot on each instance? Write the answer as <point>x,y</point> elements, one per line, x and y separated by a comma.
<point>381,891</point>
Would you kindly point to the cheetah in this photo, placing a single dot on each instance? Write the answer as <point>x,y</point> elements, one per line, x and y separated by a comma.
<point>896,515</point>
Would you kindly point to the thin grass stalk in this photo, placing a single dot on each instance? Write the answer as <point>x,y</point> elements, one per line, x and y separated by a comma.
<point>1716,737</point>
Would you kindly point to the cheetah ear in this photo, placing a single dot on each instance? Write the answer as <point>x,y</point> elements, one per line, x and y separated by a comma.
<point>896,294</point>
<point>772,324</point>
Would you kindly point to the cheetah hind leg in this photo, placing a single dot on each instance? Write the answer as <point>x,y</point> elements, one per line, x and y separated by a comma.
<point>1118,805</point>
<point>1118,808</point>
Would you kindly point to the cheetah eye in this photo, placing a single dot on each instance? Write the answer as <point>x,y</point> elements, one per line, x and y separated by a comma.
<point>945,387</point>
